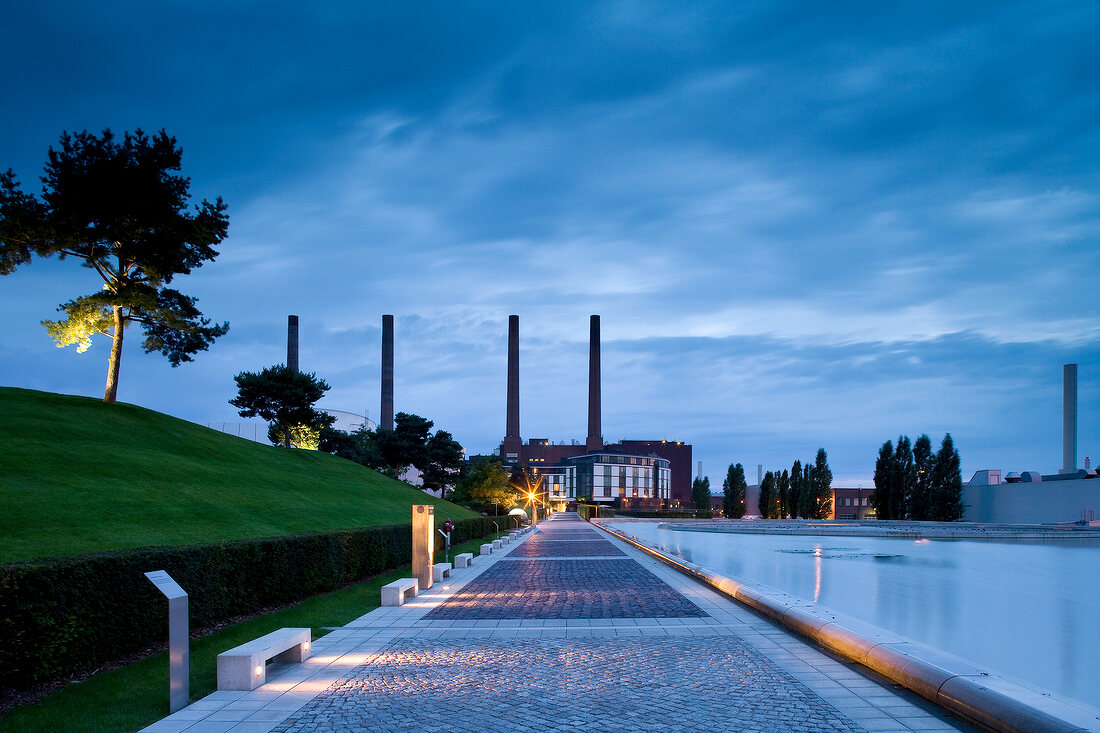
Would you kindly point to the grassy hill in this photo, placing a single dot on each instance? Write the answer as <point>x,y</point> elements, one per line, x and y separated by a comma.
<point>78,475</point>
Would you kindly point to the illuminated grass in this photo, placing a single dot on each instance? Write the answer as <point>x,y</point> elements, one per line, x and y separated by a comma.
<point>78,475</point>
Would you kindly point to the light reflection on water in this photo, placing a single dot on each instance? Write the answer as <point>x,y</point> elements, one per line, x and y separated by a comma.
<point>1029,611</point>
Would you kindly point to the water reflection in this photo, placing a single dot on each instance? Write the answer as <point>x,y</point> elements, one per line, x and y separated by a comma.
<point>1022,610</point>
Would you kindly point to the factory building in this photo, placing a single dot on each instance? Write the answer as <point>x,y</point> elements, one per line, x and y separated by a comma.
<point>642,474</point>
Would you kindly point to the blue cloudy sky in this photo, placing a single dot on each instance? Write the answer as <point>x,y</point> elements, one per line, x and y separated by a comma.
<point>803,224</point>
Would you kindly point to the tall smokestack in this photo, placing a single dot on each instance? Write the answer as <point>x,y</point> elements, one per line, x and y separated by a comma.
<point>594,441</point>
<point>1069,418</point>
<point>511,431</point>
<point>292,343</point>
<point>386,418</point>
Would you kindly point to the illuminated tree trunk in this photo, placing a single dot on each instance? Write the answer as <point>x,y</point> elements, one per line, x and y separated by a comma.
<point>111,395</point>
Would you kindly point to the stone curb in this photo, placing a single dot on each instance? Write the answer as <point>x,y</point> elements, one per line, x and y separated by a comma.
<point>984,698</point>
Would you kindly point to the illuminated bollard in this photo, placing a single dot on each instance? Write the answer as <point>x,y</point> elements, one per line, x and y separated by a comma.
<point>423,541</point>
<point>179,692</point>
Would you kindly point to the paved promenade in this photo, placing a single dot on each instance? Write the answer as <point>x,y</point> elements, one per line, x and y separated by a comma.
<point>568,629</point>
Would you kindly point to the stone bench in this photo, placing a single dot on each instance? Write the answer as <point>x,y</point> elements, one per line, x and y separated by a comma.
<point>395,593</point>
<point>464,560</point>
<point>498,544</point>
<point>245,667</point>
<point>440,571</point>
<point>506,539</point>
<point>487,548</point>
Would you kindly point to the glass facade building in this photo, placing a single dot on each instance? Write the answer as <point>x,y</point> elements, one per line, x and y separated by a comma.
<point>607,478</point>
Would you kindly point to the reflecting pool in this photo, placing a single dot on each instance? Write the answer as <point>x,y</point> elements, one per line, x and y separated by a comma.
<point>1029,611</point>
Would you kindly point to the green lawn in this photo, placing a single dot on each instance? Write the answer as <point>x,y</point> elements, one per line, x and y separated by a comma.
<point>78,475</point>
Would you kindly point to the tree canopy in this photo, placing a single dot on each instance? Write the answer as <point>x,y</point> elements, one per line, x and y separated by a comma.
<point>734,489</point>
<point>438,456</point>
<point>917,484</point>
<point>284,397</point>
<point>484,482</point>
<point>700,495</point>
<point>119,208</point>
<point>768,499</point>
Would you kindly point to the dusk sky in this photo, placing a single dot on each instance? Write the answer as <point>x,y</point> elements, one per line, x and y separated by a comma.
<point>803,224</point>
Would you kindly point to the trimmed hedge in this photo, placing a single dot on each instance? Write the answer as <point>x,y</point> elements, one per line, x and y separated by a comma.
<point>61,616</point>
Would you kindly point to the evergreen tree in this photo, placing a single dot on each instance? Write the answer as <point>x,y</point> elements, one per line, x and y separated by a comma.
<point>700,495</point>
<point>920,503</point>
<point>782,489</point>
<point>285,398</point>
<point>768,498</point>
<point>947,503</point>
<point>884,481</point>
<point>822,482</point>
<point>733,492</point>
<point>806,505</point>
<point>794,491</point>
<point>121,208</point>
<point>905,479</point>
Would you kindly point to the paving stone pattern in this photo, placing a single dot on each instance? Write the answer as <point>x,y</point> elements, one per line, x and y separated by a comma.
<point>568,548</point>
<point>478,685</point>
<point>566,589</point>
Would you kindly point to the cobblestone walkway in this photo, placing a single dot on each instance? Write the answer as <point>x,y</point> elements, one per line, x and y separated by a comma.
<point>619,684</point>
<point>627,685</point>
<point>566,630</point>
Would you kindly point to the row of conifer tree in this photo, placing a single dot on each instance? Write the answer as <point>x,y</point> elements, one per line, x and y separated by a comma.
<point>803,491</point>
<point>911,482</point>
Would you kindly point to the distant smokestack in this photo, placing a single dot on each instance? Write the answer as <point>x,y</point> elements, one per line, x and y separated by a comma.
<point>292,343</point>
<point>759,473</point>
<point>1069,418</point>
<point>511,431</point>
<point>595,430</point>
<point>386,418</point>
<point>699,470</point>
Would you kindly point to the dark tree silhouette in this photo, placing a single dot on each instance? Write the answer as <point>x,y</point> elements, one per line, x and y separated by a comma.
<point>119,208</point>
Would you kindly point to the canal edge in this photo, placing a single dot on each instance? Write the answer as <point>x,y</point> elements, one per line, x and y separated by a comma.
<point>983,698</point>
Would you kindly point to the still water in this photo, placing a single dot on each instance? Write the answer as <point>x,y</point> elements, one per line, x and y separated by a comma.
<point>1028,611</point>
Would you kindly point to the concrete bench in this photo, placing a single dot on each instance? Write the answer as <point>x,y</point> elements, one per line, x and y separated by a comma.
<point>464,560</point>
<point>395,593</point>
<point>440,571</point>
<point>506,539</point>
<point>498,544</point>
<point>487,548</point>
<point>245,667</point>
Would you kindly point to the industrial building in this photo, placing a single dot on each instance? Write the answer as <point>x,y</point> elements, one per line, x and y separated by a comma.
<point>640,474</point>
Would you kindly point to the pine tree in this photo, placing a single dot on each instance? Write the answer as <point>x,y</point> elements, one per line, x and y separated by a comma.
<point>822,486</point>
<point>782,488</point>
<point>120,208</point>
<point>768,497</point>
<point>806,504</point>
<point>700,495</point>
<point>794,491</point>
<point>905,479</point>
<point>920,503</point>
<point>947,503</point>
<point>884,481</point>
<point>733,492</point>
